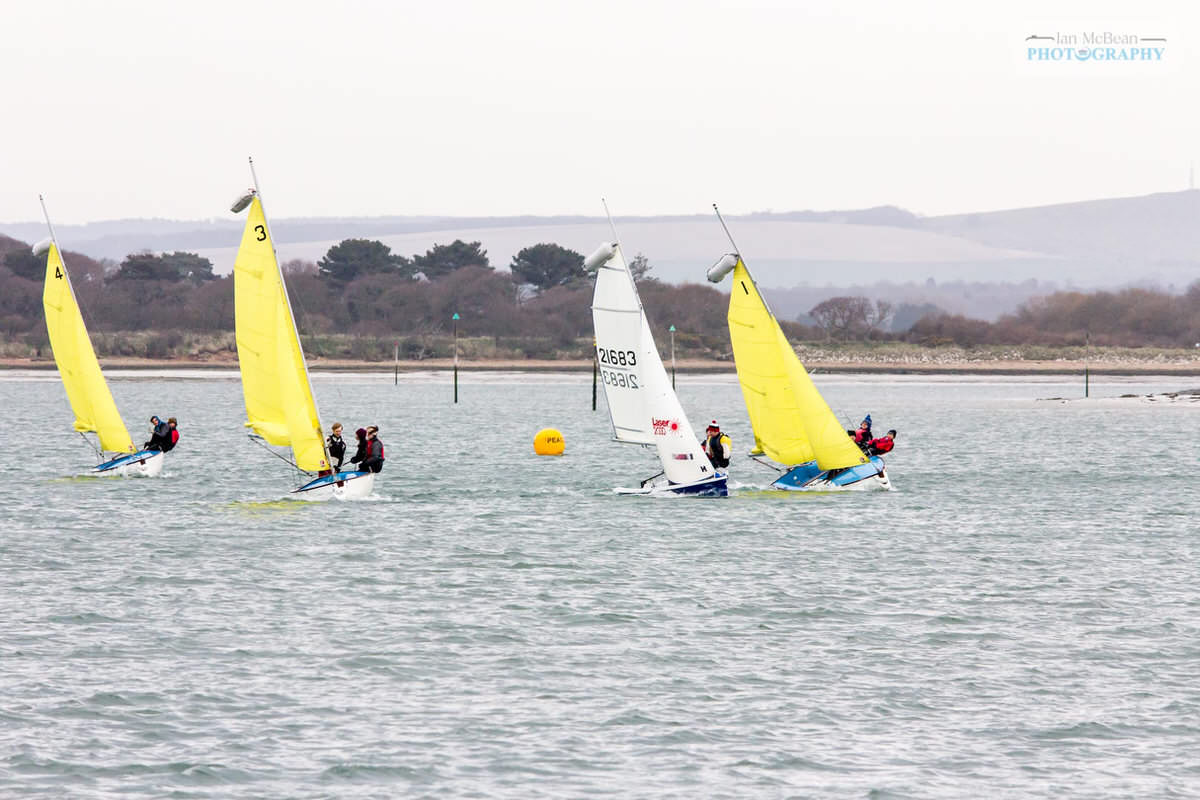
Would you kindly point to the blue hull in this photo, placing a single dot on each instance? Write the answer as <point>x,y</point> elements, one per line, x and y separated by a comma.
<point>715,488</point>
<point>125,461</point>
<point>810,476</point>
<point>336,479</point>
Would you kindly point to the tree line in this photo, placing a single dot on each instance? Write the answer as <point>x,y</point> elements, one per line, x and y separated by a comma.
<point>540,307</point>
<point>361,289</point>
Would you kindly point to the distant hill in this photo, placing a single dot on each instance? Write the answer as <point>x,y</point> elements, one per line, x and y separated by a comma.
<point>1096,243</point>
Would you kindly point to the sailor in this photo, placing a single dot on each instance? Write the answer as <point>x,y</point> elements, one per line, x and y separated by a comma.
<point>336,446</point>
<point>862,436</point>
<point>361,452</point>
<point>374,459</point>
<point>717,446</point>
<point>883,444</point>
<point>172,435</point>
<point>159,434</point>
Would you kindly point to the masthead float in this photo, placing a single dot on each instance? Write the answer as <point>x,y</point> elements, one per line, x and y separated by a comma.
<point>87,391</point>
<point>793,425</point>
<point>642,406</point>
<point>280,407</point>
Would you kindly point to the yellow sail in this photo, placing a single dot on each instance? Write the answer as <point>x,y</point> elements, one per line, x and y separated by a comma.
<point>792,423</point>
<point>87,391</point>
<point>279,401</point>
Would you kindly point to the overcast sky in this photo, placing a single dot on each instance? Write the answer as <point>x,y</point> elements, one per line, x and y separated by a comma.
<point>124,109</point>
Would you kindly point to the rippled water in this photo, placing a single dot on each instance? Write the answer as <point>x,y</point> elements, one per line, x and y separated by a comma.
<point>1019,619</point>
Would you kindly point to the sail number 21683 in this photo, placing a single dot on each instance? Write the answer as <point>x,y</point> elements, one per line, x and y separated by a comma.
<point>617,358</point>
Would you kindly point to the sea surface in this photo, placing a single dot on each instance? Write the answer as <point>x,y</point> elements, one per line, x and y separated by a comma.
<point>1020,619</point>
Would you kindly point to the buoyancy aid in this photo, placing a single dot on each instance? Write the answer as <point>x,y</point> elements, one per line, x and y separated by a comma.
<point>881,445</point>
<point>718,447</point>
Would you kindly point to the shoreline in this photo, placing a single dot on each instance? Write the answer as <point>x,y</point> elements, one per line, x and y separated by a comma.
<point>684,366</point>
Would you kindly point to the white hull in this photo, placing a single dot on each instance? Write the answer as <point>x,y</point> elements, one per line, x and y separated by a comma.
<point>355,486</point>
<point>149,467</point>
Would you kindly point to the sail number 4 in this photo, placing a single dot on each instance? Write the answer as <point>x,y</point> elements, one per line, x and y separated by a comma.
<point>617,358</point>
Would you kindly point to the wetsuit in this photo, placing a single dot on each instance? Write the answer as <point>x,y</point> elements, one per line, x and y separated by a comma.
<point>159,438</point>
<point>337,451</point>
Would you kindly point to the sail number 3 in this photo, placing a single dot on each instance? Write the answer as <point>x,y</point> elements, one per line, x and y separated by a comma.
<point>262,233</point>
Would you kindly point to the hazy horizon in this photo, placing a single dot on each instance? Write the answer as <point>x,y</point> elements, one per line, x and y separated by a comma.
<point>470,109</point>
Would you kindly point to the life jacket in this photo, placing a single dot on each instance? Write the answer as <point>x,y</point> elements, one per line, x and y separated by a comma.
<point>718,447</point>
<point>170,442</point>
<point>375,448</point>
<point>882,445</point>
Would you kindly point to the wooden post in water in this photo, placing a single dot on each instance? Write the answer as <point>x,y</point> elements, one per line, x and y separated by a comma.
<point>1087,352</point>
<point>672,356</point>
<point>455,318</point>
<point>396,361</point>
<point>595,371</point>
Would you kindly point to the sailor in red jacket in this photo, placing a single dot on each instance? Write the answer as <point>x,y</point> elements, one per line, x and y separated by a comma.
<point>883,444</point>
<point>172,435</point>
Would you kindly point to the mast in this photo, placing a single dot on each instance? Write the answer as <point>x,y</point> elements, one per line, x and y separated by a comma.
<point>738,253</point>
<point>292,314</point>
<point>54,241</point>
<point>617,244</point>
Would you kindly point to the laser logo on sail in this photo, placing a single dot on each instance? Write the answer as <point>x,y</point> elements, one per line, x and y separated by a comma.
<point>661,426</point>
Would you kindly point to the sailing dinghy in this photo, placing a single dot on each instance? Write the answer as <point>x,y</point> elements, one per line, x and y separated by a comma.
<point>793,425</point>
<point>87,391</point>
<point>280,407</point>
<point>641,403</point>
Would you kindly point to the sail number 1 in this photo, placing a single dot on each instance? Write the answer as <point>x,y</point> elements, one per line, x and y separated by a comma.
<point>617,358</point>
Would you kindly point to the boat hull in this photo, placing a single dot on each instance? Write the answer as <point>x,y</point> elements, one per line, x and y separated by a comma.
<point>713,486</point>
<point>809,477</point>
<point>339,486</point>
<point>142,464</point>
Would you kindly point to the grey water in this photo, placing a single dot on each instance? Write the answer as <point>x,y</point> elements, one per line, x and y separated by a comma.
<point>1019,619</point>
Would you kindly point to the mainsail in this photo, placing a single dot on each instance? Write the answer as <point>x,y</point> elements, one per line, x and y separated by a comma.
<point>792,423</point>
<point>280,406</point>
<point>87,391</point>
<point>643,406</point>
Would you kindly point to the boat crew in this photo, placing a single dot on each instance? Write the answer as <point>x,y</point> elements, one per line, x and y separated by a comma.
<point>374,460</point>
<point>883,444</point>
<point>717,446</point>
<point>172,435</point>
<point>336,446</point>
<point>360,452</point>
<point>160,435</point>
<point>862,437</point>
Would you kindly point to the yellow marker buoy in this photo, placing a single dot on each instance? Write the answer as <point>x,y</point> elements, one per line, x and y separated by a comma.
<point>548,442</point>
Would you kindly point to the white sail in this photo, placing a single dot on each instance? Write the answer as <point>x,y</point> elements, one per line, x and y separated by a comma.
<point>616,317</point>
<point>643,406</point>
